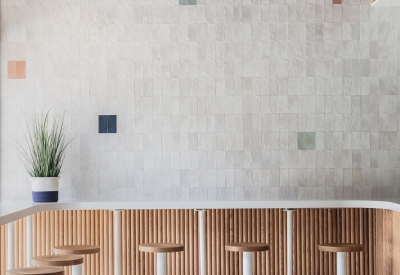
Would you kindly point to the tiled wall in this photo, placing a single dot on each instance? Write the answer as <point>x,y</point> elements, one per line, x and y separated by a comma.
<point>215,99</point>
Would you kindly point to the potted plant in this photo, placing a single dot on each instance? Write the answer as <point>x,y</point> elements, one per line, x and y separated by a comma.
<point>44,156</point>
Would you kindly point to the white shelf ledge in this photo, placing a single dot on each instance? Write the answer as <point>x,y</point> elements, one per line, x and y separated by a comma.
<point>11,211</point>
<point>385,3</point>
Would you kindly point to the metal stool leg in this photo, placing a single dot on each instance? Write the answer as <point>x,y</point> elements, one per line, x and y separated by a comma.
<point>202,242</point>
<point>161,263</point>
<point>77,269</point>
<point>247,263</point>
<point>289,243</point>
<point>341,263</point>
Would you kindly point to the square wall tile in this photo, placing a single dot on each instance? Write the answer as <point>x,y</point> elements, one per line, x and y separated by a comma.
<point>306,140</point>
<point>187,2</point>
<point>16,69</point>
<point>103,124</point>
<point>336,2</point>
<point>107,124</point>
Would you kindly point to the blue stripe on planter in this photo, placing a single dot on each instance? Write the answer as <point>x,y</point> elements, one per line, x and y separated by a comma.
<point>47,196</point>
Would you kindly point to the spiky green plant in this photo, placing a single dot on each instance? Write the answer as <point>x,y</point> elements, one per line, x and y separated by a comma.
<point>46,146</point>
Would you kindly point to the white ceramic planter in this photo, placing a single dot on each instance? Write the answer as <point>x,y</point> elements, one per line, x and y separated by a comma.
<point>45,189</point>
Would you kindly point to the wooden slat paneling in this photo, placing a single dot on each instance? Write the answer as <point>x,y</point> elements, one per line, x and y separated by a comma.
<point>377,229</point>
<point>332,225</point>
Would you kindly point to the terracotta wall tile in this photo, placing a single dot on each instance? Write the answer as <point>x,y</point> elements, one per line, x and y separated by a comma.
<point>12,69</point>
<point>337,1</point>
<point>16,69</point>
<point>21,69</point>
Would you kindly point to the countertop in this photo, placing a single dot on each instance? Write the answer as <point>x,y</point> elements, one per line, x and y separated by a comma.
<point>11,211</point>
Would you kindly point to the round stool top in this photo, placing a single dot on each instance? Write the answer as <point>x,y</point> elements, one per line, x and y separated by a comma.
<point>57,260</point>
<point>36,271</point>
<point>246,247</point>
<point>341,247</point>
<point>161,247</point>
<point>77,249</point>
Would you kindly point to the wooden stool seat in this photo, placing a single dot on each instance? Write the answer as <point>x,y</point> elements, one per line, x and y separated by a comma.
<point>161,247</point>
<point>246,247</point>
<point>341,247</point>
<point>161,250</point>
<point>77,249</point>
<point>36,271</point>
<point>57,260</point>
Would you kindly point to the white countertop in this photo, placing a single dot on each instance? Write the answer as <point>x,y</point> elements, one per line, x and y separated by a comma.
<point>11,211</point>
<point>385,3</point>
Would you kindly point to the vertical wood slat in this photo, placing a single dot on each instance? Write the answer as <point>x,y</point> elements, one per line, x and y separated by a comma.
<point>396,240</point>
<point>3,249</point>
<point>385,232</point>
<point>377,229</point>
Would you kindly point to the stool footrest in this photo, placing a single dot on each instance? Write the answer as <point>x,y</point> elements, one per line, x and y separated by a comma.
<point>36,271</point>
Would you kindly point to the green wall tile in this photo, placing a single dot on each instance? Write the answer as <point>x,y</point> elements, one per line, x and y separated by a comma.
<point>187,2</point>
<point>306,140</point>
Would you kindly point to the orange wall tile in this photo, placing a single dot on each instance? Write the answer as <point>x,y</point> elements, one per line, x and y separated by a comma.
<point>16,69</point>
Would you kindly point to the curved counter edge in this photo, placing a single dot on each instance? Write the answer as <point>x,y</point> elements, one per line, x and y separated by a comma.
<point>12,211</point>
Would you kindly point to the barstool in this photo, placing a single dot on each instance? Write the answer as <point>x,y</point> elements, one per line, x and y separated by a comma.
<point>36,271</point>
<point>248,249</point>
<point>77,250</point>
<point>161,249</point>
<point>341,249</point>
<point>57,260</point>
